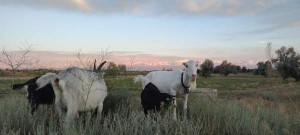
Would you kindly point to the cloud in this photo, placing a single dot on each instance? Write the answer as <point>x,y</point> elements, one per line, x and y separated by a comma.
<point>153,7</point>
<point>287,22</point>
<point>82,5</point>
<point>136,61</point>
<point>277,14</point>
<point>295,23</point>
<point>262,42</point>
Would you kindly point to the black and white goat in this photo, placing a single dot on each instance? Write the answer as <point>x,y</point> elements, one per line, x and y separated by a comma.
<point>176,83</point>
<point>45,95</point>
<point>76,90</point>
<point>152,98</point>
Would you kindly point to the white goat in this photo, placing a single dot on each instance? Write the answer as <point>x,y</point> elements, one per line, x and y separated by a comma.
<point>175,83</point>
<point>76,90</point>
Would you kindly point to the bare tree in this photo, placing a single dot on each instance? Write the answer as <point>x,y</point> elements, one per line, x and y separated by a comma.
<point>105,54</point>
<point>131,63</point>
<point>20,58</point>
<point>88,63</point>
<point>80,60</point>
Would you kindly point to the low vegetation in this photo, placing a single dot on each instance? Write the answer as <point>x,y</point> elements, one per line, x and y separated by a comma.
<point>247,104</point>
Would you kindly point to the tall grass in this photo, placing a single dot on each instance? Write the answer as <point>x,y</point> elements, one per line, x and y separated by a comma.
<point>123,114</point>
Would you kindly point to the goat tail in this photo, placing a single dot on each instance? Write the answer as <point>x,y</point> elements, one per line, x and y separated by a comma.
<point>142,79</point>
<point>138,78</point>
<point>23,85</point>
<point>17,86</point>
<point>46,79</point>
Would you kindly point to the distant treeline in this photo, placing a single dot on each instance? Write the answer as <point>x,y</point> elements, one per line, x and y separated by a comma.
<point>286,65</point>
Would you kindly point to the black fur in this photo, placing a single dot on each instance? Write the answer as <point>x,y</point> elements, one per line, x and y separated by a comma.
<point>151,98</point>
<point>36,97</point>
<point>20,86</point>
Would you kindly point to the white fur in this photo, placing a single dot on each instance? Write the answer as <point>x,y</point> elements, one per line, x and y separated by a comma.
<point>170,82</point>
<point>78,90</point>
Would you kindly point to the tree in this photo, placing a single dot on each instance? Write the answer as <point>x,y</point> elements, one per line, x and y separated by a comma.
<point>261,69</point>
<point>264,69</point>
<point>20,59</point>
<point>122,68</point>
<point>244,70</point>
<point>288,63</point>
<point>112,69</point>
<point>238,68</point>
<point>207,68</point>
<point>217,69</point>
<point>227,68</point>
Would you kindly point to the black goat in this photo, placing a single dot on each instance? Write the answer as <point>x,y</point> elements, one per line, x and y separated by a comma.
<point>152,98</point>
<point>44,95</point>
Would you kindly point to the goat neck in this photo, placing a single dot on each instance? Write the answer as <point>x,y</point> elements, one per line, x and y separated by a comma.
<point>186,79</point>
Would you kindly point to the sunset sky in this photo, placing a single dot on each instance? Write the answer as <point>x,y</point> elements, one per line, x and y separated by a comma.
<point>156,33</point>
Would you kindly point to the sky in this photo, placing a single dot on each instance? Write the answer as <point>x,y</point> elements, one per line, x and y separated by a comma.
<point>150,34</point>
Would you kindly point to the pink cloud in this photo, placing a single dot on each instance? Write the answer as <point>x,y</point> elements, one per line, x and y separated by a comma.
<point>133,60</point>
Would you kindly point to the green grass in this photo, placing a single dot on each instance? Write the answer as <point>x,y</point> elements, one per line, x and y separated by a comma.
<point>264,106</point>
<point>243,82</point>
<point>5,86</point>
<point>122,83</point>
<point>204,117</point>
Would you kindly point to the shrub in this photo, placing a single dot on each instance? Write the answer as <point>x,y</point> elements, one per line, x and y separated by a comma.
<point>122,69</point>
<point>269,96</point>
<point>260,69</point>
<point>227,68</point>
<point>264,69</point>
<point>115,100</point>
<point>244,70</point>
<point>112,70</point>
<point>207,68</point>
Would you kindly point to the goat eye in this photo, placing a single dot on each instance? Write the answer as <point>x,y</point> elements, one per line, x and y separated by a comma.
<point>186,66</point>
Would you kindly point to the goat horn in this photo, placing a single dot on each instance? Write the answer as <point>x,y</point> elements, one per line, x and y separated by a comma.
<point>95,65</point>
<point>100,66</point>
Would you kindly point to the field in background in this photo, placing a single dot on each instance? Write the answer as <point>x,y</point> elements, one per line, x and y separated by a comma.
<point>247,104</point>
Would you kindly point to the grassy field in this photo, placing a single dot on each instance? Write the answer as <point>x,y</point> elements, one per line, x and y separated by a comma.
<point>246,104</point>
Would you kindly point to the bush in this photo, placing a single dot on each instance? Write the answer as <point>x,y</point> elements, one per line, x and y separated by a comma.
<point>260,69</point>
<point>226,68</point>
<point>207,68</point>
<point>264,69</point>
<point>122,69</point>
<point>288,63</point>
<point>115,100</point>
<point>112,70</point>
<point>270,96</point>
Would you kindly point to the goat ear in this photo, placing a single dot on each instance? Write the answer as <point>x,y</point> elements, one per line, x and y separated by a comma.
<point>197,63</point>
<point>94,65</point>
<point>100,66</point>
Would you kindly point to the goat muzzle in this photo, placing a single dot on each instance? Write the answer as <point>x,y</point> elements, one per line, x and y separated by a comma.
<point>194,77</point>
